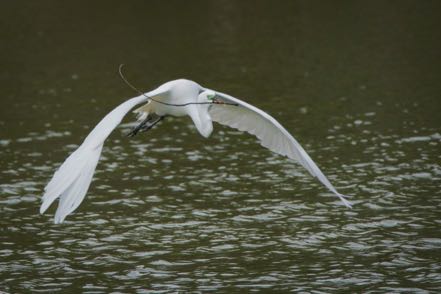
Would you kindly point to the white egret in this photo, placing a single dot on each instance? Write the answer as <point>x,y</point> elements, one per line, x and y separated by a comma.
<point>177,98</point>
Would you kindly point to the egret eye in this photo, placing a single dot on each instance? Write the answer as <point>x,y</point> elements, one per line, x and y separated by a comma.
<point>211,96</point>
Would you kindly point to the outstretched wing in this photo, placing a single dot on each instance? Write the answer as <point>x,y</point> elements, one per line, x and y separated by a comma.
<point>71,181</point>
<point>271,133</point>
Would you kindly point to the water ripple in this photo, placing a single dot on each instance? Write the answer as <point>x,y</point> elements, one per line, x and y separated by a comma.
<point>166,217</point>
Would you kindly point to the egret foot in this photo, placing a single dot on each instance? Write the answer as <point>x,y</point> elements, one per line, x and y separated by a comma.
<point>145,125</point>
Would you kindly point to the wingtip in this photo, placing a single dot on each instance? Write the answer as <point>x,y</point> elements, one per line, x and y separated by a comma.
<point>44,206</point>
<point>345,202</point>
<point>58,219</point>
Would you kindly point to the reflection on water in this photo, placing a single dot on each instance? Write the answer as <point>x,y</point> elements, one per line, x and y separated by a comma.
<point>171,211</point>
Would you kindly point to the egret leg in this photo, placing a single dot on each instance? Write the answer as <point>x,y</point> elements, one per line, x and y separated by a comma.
<point>136,129</point>
<point>147,127</point>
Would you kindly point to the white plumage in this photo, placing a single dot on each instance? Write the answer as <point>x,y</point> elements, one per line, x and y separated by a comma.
<point>177,98</point>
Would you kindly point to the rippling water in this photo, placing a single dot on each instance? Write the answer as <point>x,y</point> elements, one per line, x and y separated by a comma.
<point>168,211</point>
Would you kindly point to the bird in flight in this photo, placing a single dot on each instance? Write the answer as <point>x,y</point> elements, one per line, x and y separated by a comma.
<point>175,98</point>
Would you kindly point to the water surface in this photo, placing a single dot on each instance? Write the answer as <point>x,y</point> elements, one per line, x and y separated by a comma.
<point>356,83</point>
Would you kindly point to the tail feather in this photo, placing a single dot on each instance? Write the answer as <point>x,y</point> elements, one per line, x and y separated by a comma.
<point>143,112</point>
<point>71,181</point>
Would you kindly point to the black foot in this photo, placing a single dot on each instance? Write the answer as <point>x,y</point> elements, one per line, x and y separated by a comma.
<point>144,126</point>
<point>136,129</point>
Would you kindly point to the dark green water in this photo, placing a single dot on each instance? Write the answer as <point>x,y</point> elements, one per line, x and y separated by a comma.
<point>357,83</point>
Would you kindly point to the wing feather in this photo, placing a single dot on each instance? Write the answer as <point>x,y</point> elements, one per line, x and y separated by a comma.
<point>71,181</point>
<point>270,133</point>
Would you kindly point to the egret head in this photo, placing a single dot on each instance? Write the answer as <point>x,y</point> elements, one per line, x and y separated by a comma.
<point>207,96</point>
